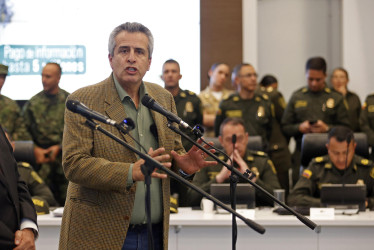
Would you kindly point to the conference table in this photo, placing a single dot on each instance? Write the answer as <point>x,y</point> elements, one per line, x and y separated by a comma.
<point>194,229</point>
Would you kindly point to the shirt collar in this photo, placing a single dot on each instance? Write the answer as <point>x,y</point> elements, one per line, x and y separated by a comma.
<point>123,94</point>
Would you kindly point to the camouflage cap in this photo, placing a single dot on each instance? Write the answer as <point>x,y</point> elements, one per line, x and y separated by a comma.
<point>3,69</point>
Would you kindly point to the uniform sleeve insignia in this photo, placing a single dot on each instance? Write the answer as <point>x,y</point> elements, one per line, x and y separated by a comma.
<point>260,111</point>
<point>371,108</point>
<point>189,107</point>
<point>372,173</point>
<point>330,103</point>
<point>364,106</point>
<point>25,164</point>
<point>250,158</point>
<point>236,98</point>
<point>255,171</point>
<point>301,104</point>
<point>307,173</point>
<point>364,161</point>
<point>234,113</point>
<point>38,202</point>
<point>183,94</point>
<point>282,102</point>
<point>36,177</point>
<point>319,159</point>
<point>272,166</point>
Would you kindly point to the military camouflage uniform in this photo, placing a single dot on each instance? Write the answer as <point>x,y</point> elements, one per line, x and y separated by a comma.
<point>10,118</point>
<point>257,162</point>
<point>367,120</point>
<point>44,119</point>
<point>322,171</point>
<point>354,110</point>
<point>278,151</point>
<point>189,109</point>
<point>304,104</point>
<point>40,192</point>
<point>257,114</point>
<point>210,105</point>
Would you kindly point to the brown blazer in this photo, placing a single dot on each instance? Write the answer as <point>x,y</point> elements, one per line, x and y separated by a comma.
<point>99,204</point>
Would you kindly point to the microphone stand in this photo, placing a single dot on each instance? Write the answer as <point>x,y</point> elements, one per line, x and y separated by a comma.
<point>151,164</point>
<point>233,183</point>
<point>300,217</point>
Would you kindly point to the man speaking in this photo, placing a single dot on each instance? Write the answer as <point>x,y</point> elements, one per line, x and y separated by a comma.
<point>105,201</point>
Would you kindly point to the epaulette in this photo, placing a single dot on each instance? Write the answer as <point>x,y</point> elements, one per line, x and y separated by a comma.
<point>265,96</point>
<point>327,90</point>
<point>363,162</point>
<point>258,153</point>
<point>236,98</point>
<point>304,90</point>
<point>182,94</point>
<point>25,165</point>
<point>191,93</point>
<point>320,159</point>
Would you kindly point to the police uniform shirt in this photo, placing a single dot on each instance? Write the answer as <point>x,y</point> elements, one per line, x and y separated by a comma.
<point>367,119</point>
<point>322,171</point>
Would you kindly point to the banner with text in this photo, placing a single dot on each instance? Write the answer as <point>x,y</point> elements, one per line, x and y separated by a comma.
<point>30,59</point>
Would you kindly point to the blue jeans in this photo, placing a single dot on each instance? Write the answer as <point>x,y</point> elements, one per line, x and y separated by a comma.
<point>137,237</point>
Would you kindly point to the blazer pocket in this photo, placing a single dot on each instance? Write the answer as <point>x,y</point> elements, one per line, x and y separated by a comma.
<point>86,196</point>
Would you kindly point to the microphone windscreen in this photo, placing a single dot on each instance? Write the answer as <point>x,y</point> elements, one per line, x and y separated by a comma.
<point>147,101</point>
<point>72,105</point>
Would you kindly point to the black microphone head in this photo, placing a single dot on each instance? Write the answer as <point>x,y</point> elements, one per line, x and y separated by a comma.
<point>129,123</point>
<point>349,137</point>
<point>72,105</point>
<point>147,101</point>
<point>233,139</point>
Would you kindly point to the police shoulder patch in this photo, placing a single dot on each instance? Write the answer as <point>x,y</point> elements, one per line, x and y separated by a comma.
<point>25,164</point>
<point>318,159</point>
<point>191,93</point>
<point>236,98</point>
<point>182,94</point>
<point>327,90</point>
<point>307,173</point>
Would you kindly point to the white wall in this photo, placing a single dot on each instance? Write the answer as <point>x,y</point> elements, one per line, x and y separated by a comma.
<point>175,26</point>
<point>358,45</point>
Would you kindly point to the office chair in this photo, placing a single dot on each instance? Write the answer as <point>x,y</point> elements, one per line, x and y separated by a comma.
<point>24,152</point>
<point>314,145</point>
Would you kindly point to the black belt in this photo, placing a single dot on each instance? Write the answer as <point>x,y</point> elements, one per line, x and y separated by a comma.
<point>139,227</point>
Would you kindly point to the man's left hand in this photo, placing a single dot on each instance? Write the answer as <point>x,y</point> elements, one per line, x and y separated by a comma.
<point>24,239</point>
<point>194,160</point>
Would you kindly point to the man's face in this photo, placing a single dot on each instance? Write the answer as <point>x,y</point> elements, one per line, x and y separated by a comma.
<point>219,75</point>
<point>130,59</point>
<point>241,138</point>
<point>338,152</point>
<point>50,79</point>
<point>247,78</point>
<point>171,75</point>
<point>2,81</point>
<point>316,80</point>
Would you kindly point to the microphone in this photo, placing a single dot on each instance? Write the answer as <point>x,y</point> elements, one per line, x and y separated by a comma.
<point>150,103</point>
<point>349,137</point>
<point>233,139</point>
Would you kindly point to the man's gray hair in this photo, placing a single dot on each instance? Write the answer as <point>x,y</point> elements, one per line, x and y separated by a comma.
<point>132,28</point>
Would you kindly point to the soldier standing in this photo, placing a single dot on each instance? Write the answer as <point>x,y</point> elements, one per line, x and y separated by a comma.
<point>44,118</point>
<point>254,108</point>
<point>189,109</point>
<point>312,109</point>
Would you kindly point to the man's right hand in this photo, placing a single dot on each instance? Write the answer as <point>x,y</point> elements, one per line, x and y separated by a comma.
<point>159,156</point>
<point>304,127</point>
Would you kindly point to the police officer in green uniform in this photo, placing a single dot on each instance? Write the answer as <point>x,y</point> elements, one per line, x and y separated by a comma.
<point>340,165</point>
<point>40,192</point>
<point>256,161</point>
<point>278,151</point>
<point>339,82</point>
<point>367,121</point>
<point>189,109</point>
<point>254,108</point>
<point>44,118</point>
<point>10,114</point>
<point>312,109</point>
<point>42,196</point>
